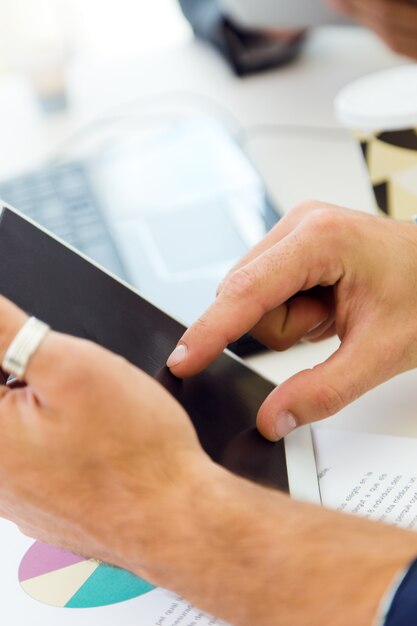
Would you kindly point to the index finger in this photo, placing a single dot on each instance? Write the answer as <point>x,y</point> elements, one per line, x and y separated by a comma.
<point>298,262</point>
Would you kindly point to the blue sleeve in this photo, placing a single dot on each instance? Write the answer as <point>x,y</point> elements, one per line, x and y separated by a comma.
<point>403,608</point>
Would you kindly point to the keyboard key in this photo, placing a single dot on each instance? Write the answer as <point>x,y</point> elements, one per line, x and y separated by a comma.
<point>60,199</point>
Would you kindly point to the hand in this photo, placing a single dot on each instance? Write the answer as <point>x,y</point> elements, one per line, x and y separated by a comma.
<point>97,458</point>
<point>321,270</point>
<point>395,21</point>
<point>91,449</point>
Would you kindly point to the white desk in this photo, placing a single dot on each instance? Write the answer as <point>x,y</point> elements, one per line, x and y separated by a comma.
<point>293,166</point>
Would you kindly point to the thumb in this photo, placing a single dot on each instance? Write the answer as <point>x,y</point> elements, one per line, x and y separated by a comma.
<point>317,393</point>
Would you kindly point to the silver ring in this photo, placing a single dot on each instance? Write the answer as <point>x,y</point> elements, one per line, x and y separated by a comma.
<point>23,346</point>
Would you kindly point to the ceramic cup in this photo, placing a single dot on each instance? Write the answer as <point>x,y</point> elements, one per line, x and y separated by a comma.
<point>381,110</point>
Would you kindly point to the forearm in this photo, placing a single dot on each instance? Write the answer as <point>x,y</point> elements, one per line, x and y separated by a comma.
<point>253,556</point>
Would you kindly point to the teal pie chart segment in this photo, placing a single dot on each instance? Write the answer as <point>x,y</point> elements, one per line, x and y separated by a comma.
<point>108,585</point>
<point>61,579</point>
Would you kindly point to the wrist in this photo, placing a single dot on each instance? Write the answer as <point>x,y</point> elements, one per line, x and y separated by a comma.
<point>141,523</point>
<point>199,537</point>
<point>253,556</point>
<point>192,517</point>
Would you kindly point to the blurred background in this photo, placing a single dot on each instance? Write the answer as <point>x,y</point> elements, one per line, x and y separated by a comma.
<point>115,112</point>
<point>142,116</point>
<point>47,47</point>
<point>66,63</point>
<point>44,31</point>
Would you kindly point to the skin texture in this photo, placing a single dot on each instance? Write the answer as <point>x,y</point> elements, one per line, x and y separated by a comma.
<point>395,21</point>
<point>331,270</point>
<point>98,458</point>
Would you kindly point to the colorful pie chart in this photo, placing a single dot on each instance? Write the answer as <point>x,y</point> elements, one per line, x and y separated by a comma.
<point>62,579</point>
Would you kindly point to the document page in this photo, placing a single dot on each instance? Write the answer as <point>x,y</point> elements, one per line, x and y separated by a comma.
<point>370,475</point>
<point>43,586</point>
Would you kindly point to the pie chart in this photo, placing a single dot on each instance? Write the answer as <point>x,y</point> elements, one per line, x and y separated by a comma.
<point>61,579</point>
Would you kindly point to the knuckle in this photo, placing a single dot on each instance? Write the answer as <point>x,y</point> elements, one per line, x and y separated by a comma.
<point>329,399</point>
<point>78,367</point>
<point>221,285</point>
<point>320,218</point>
<point>306,206</point>
<point>80,352</point>
<point>240,284</point>
<point>303,209</point>
<point>202,325</point>
<point>326,222</point>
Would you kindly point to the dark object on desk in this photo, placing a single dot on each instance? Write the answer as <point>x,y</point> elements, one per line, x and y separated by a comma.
<point>248,51</point>
<point>58,286</point>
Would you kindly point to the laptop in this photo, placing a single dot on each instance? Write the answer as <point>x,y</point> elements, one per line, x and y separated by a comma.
<point>169,210</point>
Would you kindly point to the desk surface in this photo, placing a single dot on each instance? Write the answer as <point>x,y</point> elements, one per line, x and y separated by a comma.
<point>294,164</point>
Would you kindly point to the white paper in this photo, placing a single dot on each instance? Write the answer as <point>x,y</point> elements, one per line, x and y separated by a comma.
<point>370,475</point>
<point>157,608</point>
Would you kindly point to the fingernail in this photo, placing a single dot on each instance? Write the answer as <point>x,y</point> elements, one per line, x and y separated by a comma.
<point>177,355</point>
<point>285,422</point>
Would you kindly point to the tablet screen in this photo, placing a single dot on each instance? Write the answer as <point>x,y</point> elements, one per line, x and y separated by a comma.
<point>53,282</point>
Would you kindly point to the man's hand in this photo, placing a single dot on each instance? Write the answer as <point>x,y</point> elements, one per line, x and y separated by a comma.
<point>321,270</point>
<point>395,21</point>
<point>97,458</point>
<point>90,439</point>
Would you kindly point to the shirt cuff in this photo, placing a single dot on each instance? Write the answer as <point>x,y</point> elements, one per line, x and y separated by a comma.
<point>399,606</point>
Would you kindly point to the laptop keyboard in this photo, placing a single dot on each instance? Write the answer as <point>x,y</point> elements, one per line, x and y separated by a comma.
<point>60,199</point>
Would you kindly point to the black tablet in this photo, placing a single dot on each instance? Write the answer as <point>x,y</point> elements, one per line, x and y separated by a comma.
<point>54,282</point>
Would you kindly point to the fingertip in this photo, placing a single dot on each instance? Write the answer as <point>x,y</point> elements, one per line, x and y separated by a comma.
<point>177,356</point>
<point>180,371</point>
<point>181,363</point>
<point>276,416</point>
<point>266,431</point>
<point>278,425</point>
<point>265,424</point>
